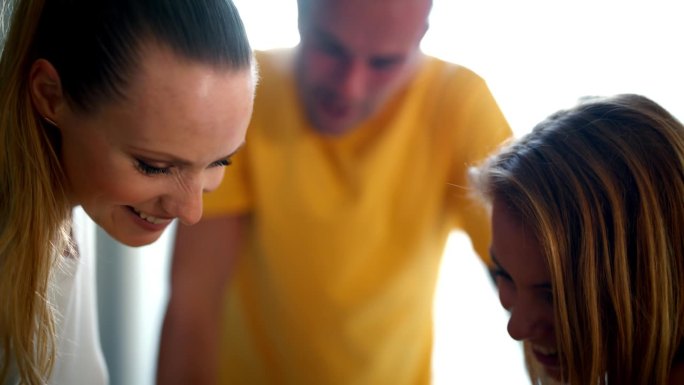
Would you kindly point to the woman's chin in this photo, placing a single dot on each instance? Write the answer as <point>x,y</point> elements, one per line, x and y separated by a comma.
<point>554,373</point>
<point>135,239</point>
<point>138,242</point>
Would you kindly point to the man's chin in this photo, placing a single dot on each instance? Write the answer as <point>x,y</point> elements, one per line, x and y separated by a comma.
<point>333,125</point>
<point>332,130</point>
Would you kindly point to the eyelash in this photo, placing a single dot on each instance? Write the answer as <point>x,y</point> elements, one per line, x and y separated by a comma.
<point>221,163</point>
<point>545,295</point>
<point>498,272</point>
<point>383,65</point>
<point>151,170</point>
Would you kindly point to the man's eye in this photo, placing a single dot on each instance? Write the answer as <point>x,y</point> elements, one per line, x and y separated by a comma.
<point>330,49</point>
<point>384,64</point>
<point>151,170</point>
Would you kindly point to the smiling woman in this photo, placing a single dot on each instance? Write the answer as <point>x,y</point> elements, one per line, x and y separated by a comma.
<point>586,232</point>
<point>524,285</point>
<point>131,134</point>
<point>162,146</point>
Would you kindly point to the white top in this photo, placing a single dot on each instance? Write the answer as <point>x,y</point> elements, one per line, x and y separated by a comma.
<point>79,353</point>
<point>73,295</point>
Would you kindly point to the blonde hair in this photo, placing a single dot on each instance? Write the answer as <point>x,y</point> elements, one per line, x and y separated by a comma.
<point>106,37</point>
<point>33,209</point>
<point>602,187</point>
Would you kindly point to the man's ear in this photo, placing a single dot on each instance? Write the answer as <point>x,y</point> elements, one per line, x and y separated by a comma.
<point>46,90</point>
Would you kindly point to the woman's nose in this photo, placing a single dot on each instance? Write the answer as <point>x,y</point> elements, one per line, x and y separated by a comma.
<point>186,203</point>
<point>528,320</point>
<point>188,207</point>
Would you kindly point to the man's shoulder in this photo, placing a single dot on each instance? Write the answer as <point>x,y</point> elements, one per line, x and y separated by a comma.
<point>270,54</point>
<point>437,76</point>
<point>275,74</point>
<point>278,60</point>
<point>444,70</point>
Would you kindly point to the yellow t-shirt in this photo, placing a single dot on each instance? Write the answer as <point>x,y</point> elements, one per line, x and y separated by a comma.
<point>337,283</point>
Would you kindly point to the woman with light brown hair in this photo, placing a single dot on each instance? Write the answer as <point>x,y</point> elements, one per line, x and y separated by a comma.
<point>588,242</point>
<point>124,111</point>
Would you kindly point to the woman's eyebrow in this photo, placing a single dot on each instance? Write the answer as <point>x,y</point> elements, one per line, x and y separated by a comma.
<point>180,161</point>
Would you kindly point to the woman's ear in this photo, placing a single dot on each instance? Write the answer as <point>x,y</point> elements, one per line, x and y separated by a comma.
<point>46,90</point>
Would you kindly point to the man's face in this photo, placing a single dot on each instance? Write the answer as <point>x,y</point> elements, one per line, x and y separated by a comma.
<point>354,56</point>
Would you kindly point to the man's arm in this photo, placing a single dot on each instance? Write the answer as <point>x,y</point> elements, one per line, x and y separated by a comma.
<point>203,259</point>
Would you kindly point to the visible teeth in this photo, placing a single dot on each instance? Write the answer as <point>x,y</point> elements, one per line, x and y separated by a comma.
<point>149,218</point>
<point>545,351</point>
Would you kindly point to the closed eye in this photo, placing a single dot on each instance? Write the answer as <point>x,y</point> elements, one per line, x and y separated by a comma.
<point>498,272</point>
<point>385,63</point>
<point>221,163</point>
<point>148,169</point>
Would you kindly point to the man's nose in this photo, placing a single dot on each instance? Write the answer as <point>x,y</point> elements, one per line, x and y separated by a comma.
<point>353,78</point>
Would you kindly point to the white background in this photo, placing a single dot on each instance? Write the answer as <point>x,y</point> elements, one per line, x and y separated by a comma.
<point>537,56</point>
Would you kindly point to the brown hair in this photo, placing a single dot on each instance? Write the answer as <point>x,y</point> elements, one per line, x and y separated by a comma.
<point>602,186</point>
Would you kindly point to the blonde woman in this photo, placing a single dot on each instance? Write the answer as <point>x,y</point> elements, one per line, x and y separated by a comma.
<point>587,217</point>
<point>122,110</point>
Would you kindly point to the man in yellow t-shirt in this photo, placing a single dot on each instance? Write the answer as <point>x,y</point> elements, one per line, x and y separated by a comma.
<point>317,259</point>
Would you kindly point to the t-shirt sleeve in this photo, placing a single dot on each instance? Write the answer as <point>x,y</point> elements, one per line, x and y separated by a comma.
<point>485,129</point>
<point>233,194</point>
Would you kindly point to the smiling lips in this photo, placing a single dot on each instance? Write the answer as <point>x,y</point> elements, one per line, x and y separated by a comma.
<point>151,218</point>
<point>544,350</point>
<point>547,356</point>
